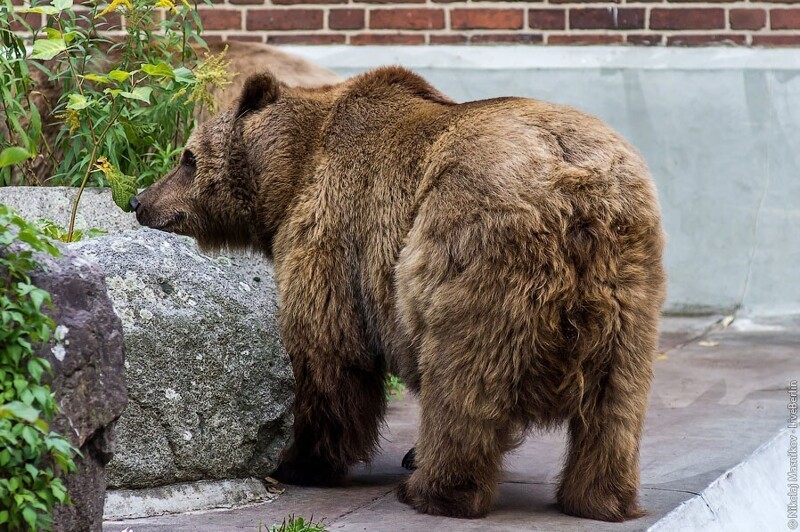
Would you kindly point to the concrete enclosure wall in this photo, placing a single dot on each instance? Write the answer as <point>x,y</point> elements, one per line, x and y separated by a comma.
<point>719,127</point>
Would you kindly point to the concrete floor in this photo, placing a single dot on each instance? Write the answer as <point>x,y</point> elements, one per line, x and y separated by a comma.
<point>719,393</point>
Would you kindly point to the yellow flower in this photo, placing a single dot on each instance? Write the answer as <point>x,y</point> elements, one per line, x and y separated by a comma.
<point>166,4</point>
<point>113,7</point>
<point>104,166</point>
<point>213,71</point>
<point>71,117</point>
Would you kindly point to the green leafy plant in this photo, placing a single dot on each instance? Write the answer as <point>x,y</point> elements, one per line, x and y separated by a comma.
<point>297,524</point>
<point>31,456</point>
<point>394,387</point>
<point>54,231</point>
<point>125,107</point>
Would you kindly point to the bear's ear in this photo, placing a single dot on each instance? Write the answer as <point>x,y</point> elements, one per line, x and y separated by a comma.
<point>259,91</point>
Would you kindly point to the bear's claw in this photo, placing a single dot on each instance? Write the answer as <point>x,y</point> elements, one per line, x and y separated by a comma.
<point>410,459</point>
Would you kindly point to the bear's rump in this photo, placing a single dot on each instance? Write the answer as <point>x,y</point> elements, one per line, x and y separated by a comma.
<point>519,292</point>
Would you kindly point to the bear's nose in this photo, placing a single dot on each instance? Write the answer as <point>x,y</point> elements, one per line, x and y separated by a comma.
<point>134,203</point>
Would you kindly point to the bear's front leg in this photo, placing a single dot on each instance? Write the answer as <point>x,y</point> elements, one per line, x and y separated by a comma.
<point>339,391</point>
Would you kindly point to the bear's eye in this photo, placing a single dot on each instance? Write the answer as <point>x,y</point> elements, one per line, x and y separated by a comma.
<point>188,159</point>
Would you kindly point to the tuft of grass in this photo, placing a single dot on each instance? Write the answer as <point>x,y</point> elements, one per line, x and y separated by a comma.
<point>394,387</point>
<point>296,524</point>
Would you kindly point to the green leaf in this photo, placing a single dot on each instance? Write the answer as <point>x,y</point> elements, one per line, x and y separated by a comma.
<point>78,102</point>
<point>96,77</point>
<point>184,75</point>
<point>32,470</point>
<point>13,155</point>
<point>61,5</point>
<point>48,48</point>
<point>19,410</point>
<point>43,10</point>
<point>160,69</point>
<point>29,515</point>
<point>139,93</point>
<point>119,75</point>
<point>52,33</point>
<point>3,516</point>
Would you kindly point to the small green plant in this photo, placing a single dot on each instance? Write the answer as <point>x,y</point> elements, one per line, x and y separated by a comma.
<point>31,456</point>
<point>394,387</point>
<point>297,524</point>
<point>54,231</point>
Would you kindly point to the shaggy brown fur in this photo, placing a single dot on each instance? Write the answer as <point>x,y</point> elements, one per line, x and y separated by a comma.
<point>244,58</point>
<point>502,256</point>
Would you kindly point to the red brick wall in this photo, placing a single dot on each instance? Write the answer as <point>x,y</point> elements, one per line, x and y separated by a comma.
<point>636,22</point>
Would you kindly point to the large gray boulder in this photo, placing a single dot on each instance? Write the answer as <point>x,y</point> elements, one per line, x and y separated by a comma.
<point>87,358</point>
<point>210,384</point>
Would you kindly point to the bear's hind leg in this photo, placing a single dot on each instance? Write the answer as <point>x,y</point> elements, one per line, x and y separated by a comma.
<point>458,459</point>
<point>600,479</point>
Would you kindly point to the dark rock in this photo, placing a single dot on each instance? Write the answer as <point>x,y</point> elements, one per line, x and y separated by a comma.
<point>87,356</point>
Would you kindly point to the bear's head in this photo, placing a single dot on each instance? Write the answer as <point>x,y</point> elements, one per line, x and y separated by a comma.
<point>213,194</point>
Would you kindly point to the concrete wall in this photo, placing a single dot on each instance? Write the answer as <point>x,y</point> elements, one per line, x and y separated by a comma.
<point>719,127</point>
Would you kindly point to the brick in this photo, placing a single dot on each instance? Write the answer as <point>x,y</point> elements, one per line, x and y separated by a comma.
<point>212,38</point>
<point>294,2</point>
<point>486,19</point>
<point>705,40</point>
<point>383,38</point>
<point>748,19</point>
<point>611,18</point>
<point>784,19</point>
<point>516,38</point>
<point>547,19</point>
<point>34,20</point>
<point>393,1</point>
<point>785,1</point>
<point>109,22</point>
<point>695,1</point>
<point>247,37</point>
<point>406,19</point>
<point>687,19</point>
<point>776,40</point>
<point>577,38</point>
<point>220,19</point>
<point>314,38</point>
<point>584,1</point>
<point>457,38</point>
<point>284,19</point>
<point>644,39</point>
<point>246,2</point>
<point>346,19</point>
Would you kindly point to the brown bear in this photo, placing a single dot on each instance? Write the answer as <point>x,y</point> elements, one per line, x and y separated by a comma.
<point>504,257</point>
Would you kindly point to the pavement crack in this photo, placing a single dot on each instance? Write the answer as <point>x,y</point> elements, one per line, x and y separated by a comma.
<point>719,325</point>
<point>361,506</point>
<point>671,490</point>
<point>752,257</point>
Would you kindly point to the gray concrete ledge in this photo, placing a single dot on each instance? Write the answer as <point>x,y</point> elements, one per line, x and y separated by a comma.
<point>550,57</point>
<point>183,498</point>
<point>750,496</point>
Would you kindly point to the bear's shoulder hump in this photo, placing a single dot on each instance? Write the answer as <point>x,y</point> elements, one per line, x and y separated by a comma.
<point>376,82</point>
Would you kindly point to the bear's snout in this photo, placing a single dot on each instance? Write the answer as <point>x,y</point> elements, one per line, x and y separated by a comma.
<point>134,203</point>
